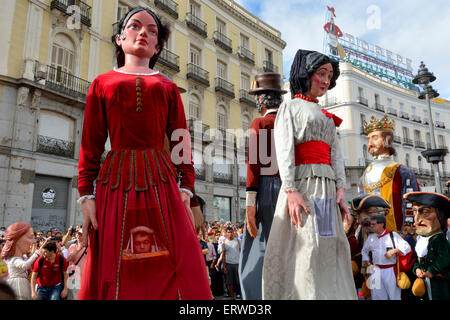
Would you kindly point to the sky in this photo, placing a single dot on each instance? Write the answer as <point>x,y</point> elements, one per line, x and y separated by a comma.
<point>418,30</point>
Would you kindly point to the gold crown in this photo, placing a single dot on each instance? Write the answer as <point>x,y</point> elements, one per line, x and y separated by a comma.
<point>385,124</point>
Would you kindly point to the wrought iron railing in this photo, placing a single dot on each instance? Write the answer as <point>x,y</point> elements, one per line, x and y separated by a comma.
<point>194,125</point>
<point>397,139</point>
<point>404,115</point>
<point>362,101</point>
<point>84,9</point>
<point>198,74</point>
<point>247,98</point>
<point>439,124</point>
<point>391,111</point>
<point>225,87</point>
<point>171,7</point>
<point>407,142</point>
<point>419,144</point>
<point>221,177</point>
<point>416,118</point>
<point>269,66</point>
<point>242,181</point>
<point>169,59</point>
<point>61,81</point>
<point>222,41</point>
<point>379,107</point>
<point>424,172</point>
<point>246,55</point>
<point>55,146</point>
<point>196,24</point>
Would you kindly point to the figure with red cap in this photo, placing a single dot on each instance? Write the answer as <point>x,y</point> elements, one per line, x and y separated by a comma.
<point>308,254</point>
<point>20,241</point>
<point>431,219</point>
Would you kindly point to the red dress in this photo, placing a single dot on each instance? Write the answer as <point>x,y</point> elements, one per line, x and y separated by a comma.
<point>145,246</point>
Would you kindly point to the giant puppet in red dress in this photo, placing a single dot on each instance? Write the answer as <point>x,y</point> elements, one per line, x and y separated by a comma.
<point>145,246</point>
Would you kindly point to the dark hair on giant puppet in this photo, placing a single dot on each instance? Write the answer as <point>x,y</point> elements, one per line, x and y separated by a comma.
<point>163,35</point>
<point>303,67</point>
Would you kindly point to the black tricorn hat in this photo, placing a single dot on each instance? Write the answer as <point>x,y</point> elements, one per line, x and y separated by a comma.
<point>267,81</point>
<point>369,200</point>
<point>431,199</point>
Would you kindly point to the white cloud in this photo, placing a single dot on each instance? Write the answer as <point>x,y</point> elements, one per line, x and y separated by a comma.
<point>414,29</point>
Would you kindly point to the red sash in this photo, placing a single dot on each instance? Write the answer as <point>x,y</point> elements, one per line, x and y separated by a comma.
<point>312,152</point>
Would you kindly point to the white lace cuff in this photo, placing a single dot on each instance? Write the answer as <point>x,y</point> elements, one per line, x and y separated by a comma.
<point>81,200</point>
<point>190,194</point>
<point>251,198</point>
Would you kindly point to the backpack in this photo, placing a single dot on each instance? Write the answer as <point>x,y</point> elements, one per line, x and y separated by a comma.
<point>61,264</point>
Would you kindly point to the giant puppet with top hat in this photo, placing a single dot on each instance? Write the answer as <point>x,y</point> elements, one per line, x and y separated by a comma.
<point>383,175</point>
<point>263,183</point>
<point>431,219</point>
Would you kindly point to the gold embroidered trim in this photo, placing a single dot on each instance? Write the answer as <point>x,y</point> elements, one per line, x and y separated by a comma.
<point>389,174</point>
<point>149,167</point>
<point>108,174</point>
<point>162,218</point>
<point>167,163</point>
<point>138,94</point>
<point>161,175</point>
<point>132,157</point>
<point>136,186</point>
<point>119,171</point>
<point>125,200</point>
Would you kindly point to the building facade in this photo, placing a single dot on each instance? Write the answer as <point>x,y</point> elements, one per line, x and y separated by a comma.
<point>53,49</point>
<point>358,96</point>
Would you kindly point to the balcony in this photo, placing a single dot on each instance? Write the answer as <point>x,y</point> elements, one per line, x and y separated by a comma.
<point>84,9</point>
<point>416,118</point>
<point>246,55</point>
<point>363,101</point>
<point>397,139</point>
<point>247,98</point>
<point>268,66</point>
<point>56,147</point>
<point>379,107</point>
<point>391,111</point>
<point>169,6</point>
<point>221,177</point>
<point>222,41</point>
<point>169,59</point>
<point>198,129</point>
<point>404,115</point>
<point>200,173</point>
<point>419,144</point>
<point>443,147</point>
<point>426,121</point>
<point>242,181</point>
<point>225,87</point>
<point>407,142</point>
<point>196,24</point>
<point>439,124</point>
<point>197,74</point>
<point>55,79</point>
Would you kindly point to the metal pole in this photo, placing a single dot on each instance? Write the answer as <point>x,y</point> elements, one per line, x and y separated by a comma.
<point>437,179</point>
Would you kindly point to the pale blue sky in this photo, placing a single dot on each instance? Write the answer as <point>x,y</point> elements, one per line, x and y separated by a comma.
<point>418,30</point>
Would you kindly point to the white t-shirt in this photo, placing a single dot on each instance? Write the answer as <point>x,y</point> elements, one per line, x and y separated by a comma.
<point>232,250</point>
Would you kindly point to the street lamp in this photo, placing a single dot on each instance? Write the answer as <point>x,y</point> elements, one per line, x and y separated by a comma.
<point>433,155</point>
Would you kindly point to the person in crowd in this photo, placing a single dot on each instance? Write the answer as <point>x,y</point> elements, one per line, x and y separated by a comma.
<point>20,241</point>
<point>263,183</point>
<point>2,232</point>
<point>230,255</point>
<point>50,274</point>
<point>76,259</point>
<point>384,176</point>
<point>137,182</point>
<point>3,265</point>
<point>431,215</point>
<point>308,254</point>
<point>384,246</point>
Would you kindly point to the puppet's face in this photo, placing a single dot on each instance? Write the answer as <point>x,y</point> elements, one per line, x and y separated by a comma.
<point>320,80</point>
<point>25,242</point>
<point>376,145</point>
<point>141,36</point>
<point>425,220</point>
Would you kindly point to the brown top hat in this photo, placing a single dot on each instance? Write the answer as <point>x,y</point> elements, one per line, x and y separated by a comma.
<point>268,81</point>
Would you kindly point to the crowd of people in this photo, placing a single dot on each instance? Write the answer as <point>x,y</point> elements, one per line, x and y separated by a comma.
<point>41,265</point>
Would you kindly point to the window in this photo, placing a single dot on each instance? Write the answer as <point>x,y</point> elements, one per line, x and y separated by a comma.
<point>195,9</point>
<point>194,56</point>
<point>389,102</point>
<point>245,123</point>
<point>220,26</point>
<point>413,110</point>
<point>56,125</point>
<point>194,108</point>
<point>417,136</point>
<point>63,54</point>
<point>407,160</point>
<point>245,82</point>
<point>377,99</point>
<point>401,107</point>
<point>268,55</point>
<point>441,142</point>
<point>437,116</point>
<point>360,92</point>
<point>221,70</point>
<point>405,133</point>
<point>122,10</point>
<point>363,118</point>
<point>245,42</point>
<point>221,118</point>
